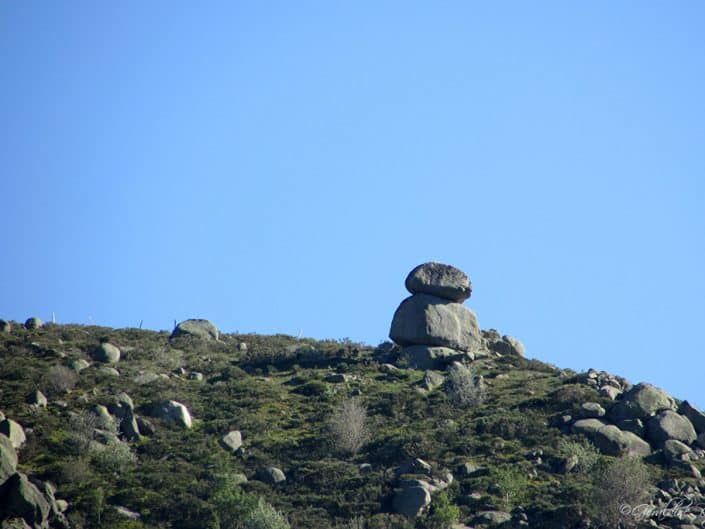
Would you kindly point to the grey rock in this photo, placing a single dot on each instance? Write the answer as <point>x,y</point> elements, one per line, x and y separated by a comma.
<point>411,501</point>
<point>126,513</point>
<point>145,427</point>
<point>507,346</point>
<point>5,326</point>
<point>195,375</point>
<point>636,426</point>
<point>694,415</point>
<point>610,440</point>
<point>108,371</point>
<point>610,392</point>
<point>365,468</point>
<point>79,365</point>
<point>14,432</point>
<point>173,411</point>
<point>641,401</point>
<point>37,399</point>
<point>670,425</point>
<point>337,378</point>
<point>130,428</point>
<point>271,475</point>
<point>146,378</point>
<point>492,517</point>
<point>196,327</point>
<point>428,320</point>
<point>414,466</point>
<point>33,323</point>
<point>675,450</point>
<point>15,523</point>
<point>430,357</point>
<point>122,406</point>
<point>441,280</point>
<point>106,353</point>
<point>8,459</point>
<point>431,380</point>
<point>232,441</point>
<point>104,420</point>
<point>21,498</point>
<point>239,479</point>
<point>591,410</point>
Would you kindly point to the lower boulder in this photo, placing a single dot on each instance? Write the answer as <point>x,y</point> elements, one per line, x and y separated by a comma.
<point>411,501</point>
<point>670,425</point>
<point>20,498</point>
<point>196,327</point>
<point>430,357</point>
<point>610,440</point>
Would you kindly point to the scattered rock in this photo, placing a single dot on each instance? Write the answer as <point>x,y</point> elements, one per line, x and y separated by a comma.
<point>492,517</point>
<point>126,513</point>
<point>271,475</point>
<point>337,378</point>
<point>242,346</point>
<point>108,371</point>
<point>676,451</point>
<point>145,427</point>
<point>122,406</point>
<point>79,365</point>
<point>414,466</point>
<point>430,357</point>
<point>37,399</point>
<point>591,410</point>
<point>441,280</point>
<point>106,353</point>
<point>146,378</point>
<point>5,326</point>
<point>196,327</point>
<point>173,411</point>
<point>14,432</point>
<point>8,459</point>
<point>610,440</point>
<point>33,323</point>
<point>640,402</point>
<point>21,498</point>
<point>195,375</point>
<point>694,415</point>
<point>610,392</point>
<point>670,425</point>
<point>423,319</point>
<point>431,380</point>
<point>411,501</point>
<point>365,468</point>
<point>104,420</point>
<point>507,346</point>
<point>232,441</point>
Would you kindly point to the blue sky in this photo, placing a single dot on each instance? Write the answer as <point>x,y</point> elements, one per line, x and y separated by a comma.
<point>281,166</point>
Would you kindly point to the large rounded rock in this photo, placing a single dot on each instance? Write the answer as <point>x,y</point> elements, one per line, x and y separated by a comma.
<point>694,415</point>
<point>8,459</point>
<point>440,280</point>
<point>173,411</point>
<point>411,501</point>
<point>5,326</point>
<point>610,440</point>
<point>641,401</point>
<point>195,327</point>
<point>670,425</point>
<point>21,498</point>
<point>14,432</point>
<point>423,319</point>
<point>107,353</point>
<point>33,323</point>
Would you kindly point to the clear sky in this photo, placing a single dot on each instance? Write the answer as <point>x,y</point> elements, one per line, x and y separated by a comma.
<point>279,167</point>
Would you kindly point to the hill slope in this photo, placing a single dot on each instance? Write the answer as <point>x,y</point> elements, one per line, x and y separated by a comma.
<point>503,456</point>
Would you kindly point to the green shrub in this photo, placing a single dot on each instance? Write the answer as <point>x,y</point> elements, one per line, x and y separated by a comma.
<point>620,486</point>
<point>582,450</point>
<point>230,502</point>
<point>443,513</point>
<point>112,457</point>
<point>264,516</point>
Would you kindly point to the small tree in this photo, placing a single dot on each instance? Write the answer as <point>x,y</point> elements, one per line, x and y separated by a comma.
<point>61,379</point>
<point>349,426</point>
<point>264,516</point>
<point>620,487</point>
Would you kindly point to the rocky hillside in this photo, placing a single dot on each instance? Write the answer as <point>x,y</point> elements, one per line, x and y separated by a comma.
<point>449,426</point>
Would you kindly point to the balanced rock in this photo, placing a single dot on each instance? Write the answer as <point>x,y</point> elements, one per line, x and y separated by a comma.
<point>441,280</point>
<point>641,401</point>
<point>14,432</point>
<point>8,459</point>
<point>173,411</point>
<point>107,353</point>
<point>670,425</point>
<point>33,323</point>
<point>198,328</point>
<point>423,319</point>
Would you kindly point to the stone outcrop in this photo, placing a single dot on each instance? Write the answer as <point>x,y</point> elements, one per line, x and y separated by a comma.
<point>106,353</point>
<point>196,327</point>
<point>670,425</point>
<point>640,402</point>
<point>610,440</point>
<point>14,432</point>
<point>171,410</point>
